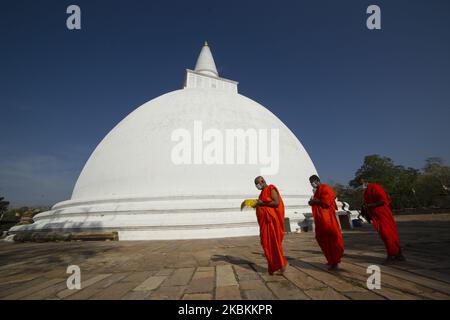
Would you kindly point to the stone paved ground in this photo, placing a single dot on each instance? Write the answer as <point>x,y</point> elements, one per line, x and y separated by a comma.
<point>232,268</point>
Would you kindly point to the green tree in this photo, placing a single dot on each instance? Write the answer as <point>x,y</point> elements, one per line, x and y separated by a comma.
<point>432,188</point>
<point>407,187</point>
<point>3,207</point>
<point>397,180</point>
<point>403,193</point>
<point>377,169</point>
<point>353,196</point>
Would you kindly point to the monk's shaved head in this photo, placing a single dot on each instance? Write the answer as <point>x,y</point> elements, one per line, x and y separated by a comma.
<point>314,178</point>
<point>259,180</point>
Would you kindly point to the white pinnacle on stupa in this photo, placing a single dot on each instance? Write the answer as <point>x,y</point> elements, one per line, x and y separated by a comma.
<point>205,62</point>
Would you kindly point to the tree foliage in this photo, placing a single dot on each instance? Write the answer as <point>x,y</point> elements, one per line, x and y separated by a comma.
<point>407,187</point>
<point>3,205</point>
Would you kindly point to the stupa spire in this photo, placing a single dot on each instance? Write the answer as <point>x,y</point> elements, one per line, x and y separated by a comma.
<point>205,62</point>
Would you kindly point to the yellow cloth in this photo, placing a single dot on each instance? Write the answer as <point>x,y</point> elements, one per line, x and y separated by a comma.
<point>249,203</point>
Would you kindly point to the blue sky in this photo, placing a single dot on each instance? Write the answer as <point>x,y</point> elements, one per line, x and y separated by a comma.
<point>344,90</point>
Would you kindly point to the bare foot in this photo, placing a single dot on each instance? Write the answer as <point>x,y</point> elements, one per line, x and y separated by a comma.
<point>400,257</point>
<point>282,270</point>
<point>332,267</point>
<point>389,260</point>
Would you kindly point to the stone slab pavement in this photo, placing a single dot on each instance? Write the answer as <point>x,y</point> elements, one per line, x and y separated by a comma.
<point>232,268</point>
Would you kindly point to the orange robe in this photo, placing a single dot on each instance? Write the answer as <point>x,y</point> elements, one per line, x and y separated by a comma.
<point>382,218</point>
<point>328,231</point>
<point>271,229</point>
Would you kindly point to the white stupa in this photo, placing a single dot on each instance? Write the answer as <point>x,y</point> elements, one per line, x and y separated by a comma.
<point>169,170</point>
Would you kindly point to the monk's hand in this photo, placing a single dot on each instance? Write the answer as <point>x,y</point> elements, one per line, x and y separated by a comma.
<point>375,204</point>
<point>313,202</point>
<point>259,203</point>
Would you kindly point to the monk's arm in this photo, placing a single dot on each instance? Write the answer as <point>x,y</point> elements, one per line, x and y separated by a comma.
<point>273,204</point>
<point>375,204</point>
<point>326,198</point>
<point>380,195</point>
<point>315,201</point>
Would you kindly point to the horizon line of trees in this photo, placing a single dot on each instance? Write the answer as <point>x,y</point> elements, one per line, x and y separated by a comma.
<point>408,188</point>
<point>10,216</point>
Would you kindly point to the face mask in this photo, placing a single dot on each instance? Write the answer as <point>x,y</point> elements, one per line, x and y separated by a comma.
<point>364,186</point>
<point>259,186</point>
<point>315,184</point>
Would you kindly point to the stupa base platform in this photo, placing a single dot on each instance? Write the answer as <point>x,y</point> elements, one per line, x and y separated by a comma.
<point>65,236</point>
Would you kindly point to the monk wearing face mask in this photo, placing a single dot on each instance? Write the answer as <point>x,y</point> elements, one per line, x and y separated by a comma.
<point>376,204</point>
<point>327,228</point>
<point>270,215</point>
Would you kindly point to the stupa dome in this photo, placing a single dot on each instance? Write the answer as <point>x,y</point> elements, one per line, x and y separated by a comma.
<point>179,166</point>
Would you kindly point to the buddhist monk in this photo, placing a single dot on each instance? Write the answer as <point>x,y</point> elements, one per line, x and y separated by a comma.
<point>376,203</point>
<point>327,227</point>
<point>270,215</point>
